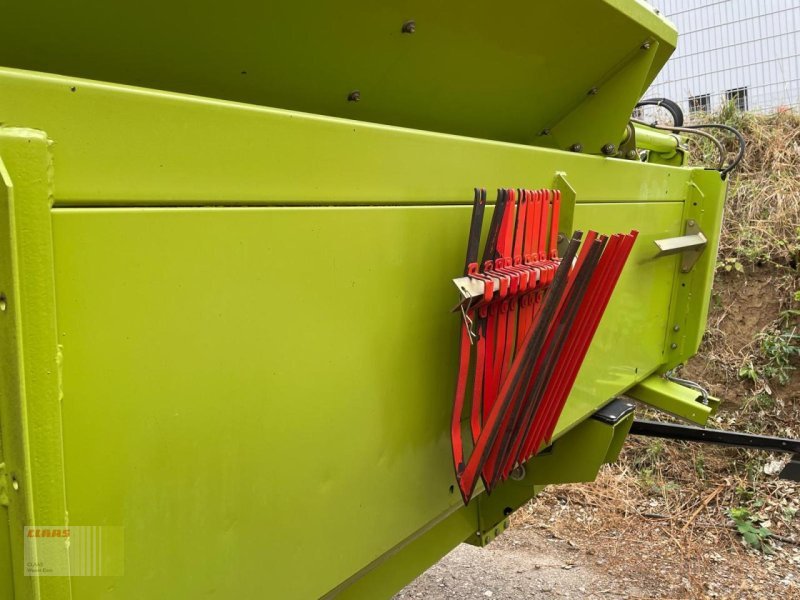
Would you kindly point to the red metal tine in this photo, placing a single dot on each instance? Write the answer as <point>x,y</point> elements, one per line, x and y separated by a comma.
<point>520,417</point>
<point>531,416</point>
<point>533,437</point>
<point>458,403</point>
<point>476,410</point>
<point>538,255</point>
<point>505,354</point>
<point>531,257</point>
<point>544,222</point>
<point>556,213</point>
<point>497,312</point>
<point>513,337</point>
<point>532,276</point>
<point>605,297</point>
<point>470,268</point>
<point>523,419</point>
<point>572,370</point>
<point>482,309</point>
<point>519,234</point>
<point>592,313</point>
<point>502,265</point>
<point>489,391</point>
<point>468,478</point>
<point>489,312</point>
<point>559,326</point>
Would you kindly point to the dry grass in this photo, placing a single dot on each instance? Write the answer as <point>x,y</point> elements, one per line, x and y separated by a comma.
<point>762,214</point>
<point>668,533</point>
<point>660,517</point>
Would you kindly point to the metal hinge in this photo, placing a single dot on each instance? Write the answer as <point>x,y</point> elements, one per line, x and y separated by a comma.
<point>690,246</point>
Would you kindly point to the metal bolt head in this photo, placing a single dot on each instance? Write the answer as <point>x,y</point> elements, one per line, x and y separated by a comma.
<point>673,346</point>
<point>593,91</point>
<point>576,148</point>
<point>518,474</point>
<point>609,149</point>
<point>646,46</point>
<point>676,327</point>
<point>354,96</point>
<point>545,132</point>
<point>690,223</point>
<point>561,237</point>
<point>409,27</point>
<point>632,154</point>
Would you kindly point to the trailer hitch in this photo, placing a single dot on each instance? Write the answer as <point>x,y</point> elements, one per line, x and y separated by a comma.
<point>688,433</point>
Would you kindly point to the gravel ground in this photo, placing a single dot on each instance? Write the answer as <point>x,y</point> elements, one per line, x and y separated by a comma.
<point>521,563</point>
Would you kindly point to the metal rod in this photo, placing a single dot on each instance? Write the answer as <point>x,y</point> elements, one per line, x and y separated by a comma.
<point>689,433</point>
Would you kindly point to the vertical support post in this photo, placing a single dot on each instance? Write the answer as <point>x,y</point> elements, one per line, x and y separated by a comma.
<point>30,392</point>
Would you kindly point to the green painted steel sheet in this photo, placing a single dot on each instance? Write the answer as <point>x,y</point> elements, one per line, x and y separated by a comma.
<point>267,390</point>
<point>471,68</point>
<point>121,146</point>
<point>182,328</point>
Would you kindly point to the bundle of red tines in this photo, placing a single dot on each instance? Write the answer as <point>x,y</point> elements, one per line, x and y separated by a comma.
<point>526,331</point>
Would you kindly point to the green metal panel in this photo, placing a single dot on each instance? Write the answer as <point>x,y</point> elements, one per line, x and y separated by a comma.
<point>242,376</point>
<point>252,383</point>
<point>575,457</point>
<point>30,409</point>
<point>6,560</point>
<point>627,346</point>
<point>705,203</point>
<point>470,68</point>
<point>125,146</point>
<point>240,359</point>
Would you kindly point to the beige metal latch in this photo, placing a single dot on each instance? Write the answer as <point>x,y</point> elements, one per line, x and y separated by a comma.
<point>690,246</point>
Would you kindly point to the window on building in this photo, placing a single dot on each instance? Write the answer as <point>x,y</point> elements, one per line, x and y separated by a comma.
<point>738,97</point>
<point>700,103</point>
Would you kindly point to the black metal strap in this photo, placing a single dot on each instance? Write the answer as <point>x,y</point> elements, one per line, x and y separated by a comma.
<point>688,433</point>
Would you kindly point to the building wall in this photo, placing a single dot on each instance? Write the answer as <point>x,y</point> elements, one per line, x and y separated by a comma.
<point>730,44</point>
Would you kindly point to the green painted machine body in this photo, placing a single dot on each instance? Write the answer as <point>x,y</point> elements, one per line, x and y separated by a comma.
<point>226,328</point>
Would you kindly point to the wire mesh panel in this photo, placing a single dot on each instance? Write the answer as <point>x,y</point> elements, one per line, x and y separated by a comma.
<point>738,51</point>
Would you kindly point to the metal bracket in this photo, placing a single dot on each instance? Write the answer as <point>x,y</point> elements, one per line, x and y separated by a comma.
<point>472,289</point>
<point>483,537</point>
<point>670,397</point>
<point>690,246</point>
<point>627,147</point>
<point>568,199</point>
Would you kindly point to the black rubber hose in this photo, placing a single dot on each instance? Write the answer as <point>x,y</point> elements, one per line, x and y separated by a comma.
<point>735,132</point>
<point>671,106</point>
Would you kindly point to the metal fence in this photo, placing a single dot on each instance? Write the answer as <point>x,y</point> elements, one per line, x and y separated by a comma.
<point>743,51</point>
